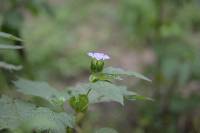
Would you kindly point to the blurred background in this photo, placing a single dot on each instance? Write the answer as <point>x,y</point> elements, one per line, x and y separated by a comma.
<point>159,38</point>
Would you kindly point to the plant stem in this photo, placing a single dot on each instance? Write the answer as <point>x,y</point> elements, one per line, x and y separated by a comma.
<point>89,91</point>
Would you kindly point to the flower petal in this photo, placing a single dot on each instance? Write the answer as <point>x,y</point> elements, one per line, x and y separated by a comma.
<point>98,56</point>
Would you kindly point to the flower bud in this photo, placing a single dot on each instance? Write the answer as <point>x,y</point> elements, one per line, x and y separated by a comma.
<point>93,65</point>
<point>96,65</point>
<point>100,65</point>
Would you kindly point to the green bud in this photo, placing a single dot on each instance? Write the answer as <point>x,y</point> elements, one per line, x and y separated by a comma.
<point>93,65</point>
<point>96,66</point>
<point>79,103</point>
<point>100,65</point>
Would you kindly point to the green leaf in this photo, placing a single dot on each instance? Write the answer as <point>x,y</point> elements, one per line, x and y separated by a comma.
<point>7,46</point>
<point>138,97</point>
<point>18,114</point>
<point>106,130</point>
<point>102,91</point>
<point>41,89</point>
<point>121,72</point>
<point>79,103</point>
<point>7,66</point>
<point>9,36</point>
<point>103,77</point>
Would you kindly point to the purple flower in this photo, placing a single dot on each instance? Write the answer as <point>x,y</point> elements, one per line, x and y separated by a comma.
<point>98,56</point>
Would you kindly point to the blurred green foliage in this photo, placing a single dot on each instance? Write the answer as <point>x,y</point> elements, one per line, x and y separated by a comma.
<point>12,19</point>
<point>169,27</point>
<point>59,48</point>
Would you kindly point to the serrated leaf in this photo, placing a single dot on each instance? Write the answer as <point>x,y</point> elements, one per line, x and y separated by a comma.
<point>40,89</point>
<point>102,91</point>
<point>121,72</point>
<point>9,36</point>
<point>16,113</point>
<point>138,97</point>
<point>43,118</point>
<point>7,46</point>
<point>103,77</point>
<point>7,66</point>
<point>105,130</point>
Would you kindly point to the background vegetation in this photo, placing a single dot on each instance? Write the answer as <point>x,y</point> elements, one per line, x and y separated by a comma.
<point>157,37</point>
